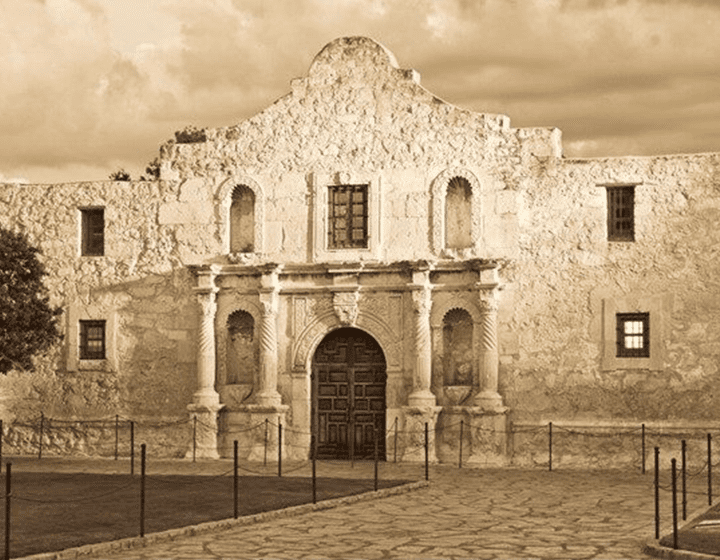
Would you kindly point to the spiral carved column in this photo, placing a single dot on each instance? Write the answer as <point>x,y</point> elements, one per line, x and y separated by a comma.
<point>206,401</point>
<point>422,376</point>
<point>266,384</point>
<point>421,409</point>
<point>488,397</point>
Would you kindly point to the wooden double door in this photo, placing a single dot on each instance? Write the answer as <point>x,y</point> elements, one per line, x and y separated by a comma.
<point>348,392</point>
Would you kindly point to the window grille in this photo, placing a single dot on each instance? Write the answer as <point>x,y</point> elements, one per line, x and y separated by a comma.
<point>633,335</point>
<point>92,340</point>
<point>93,232</point>
<point>347,217</point>
<point>621,213</point>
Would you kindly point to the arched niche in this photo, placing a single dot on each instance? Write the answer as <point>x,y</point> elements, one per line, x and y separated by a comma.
<point>224,201</point>
<point>463,184</point>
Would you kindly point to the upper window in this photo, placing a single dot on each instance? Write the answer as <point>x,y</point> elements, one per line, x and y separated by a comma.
<point>92,340</point>
<point>348,217</point>
<point>633,335</point>
<point>621,213</point>
<point>458,214</point>
<point>93,232</point>
<point>242,220</point>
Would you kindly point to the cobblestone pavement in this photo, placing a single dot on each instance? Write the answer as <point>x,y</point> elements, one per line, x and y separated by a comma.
<point>464,513</point>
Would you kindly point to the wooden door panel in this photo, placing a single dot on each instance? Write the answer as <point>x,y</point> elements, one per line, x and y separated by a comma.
<point>349,381</point>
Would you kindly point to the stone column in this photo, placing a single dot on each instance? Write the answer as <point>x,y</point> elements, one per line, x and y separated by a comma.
<point>488,397</point>
<point>421,407</point>
<point>421,395</point>
<point>206,401</point>
<point>266,393</point>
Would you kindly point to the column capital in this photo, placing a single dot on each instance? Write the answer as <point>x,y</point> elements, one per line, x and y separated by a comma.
<point>488,301</point>
<point>422,300</point>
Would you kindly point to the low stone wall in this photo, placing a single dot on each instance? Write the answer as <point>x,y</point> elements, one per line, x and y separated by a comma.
<point>171,438</point>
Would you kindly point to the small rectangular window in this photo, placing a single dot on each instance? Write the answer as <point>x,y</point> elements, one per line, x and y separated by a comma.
<point>633,335</point>
<point>621,213</point>
<point>93,232</point>
<point>347,217</point>
<point>92,340</point>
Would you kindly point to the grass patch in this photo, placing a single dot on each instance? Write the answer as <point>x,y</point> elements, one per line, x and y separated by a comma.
<point>699,538</point>
<point>53,511</point>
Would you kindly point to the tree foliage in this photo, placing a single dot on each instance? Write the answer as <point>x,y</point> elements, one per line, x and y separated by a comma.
<point>119,175</point>
<point>28,324</point>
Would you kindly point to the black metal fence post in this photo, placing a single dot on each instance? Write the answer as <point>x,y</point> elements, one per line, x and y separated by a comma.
<point>194,436</point>
<point>657,492</point>
<point>8,495</point>
<point>132,447</point>
<point>550,446</point>
<point>266,442</point>
<point>117,434</point>
<point>395,443</point>
<point>235,479</point>
<point>709,461</point>
<point>42,430</point>
<point>427,460</point>
<point>643,448</point>
<point>279,449</point>
<point>375,436</point>
<point>461,444</point>
<point>142,490</point>
<point>684,486</point>
<point>673,463</point>
<point>314,467</point>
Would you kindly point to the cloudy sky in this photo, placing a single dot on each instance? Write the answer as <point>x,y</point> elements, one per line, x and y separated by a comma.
<point>89,86</point>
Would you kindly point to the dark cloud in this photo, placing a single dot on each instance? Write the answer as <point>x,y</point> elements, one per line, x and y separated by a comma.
<point>94,83</point>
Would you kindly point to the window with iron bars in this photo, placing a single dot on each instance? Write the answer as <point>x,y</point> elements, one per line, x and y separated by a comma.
<point>348,217</point>
<point>92,340</point>
<point>633,335</point>
<point>621,213</point>
<point>93,232</point>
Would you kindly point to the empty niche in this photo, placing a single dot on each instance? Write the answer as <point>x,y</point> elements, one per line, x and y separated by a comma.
<point>458,355</point>
<point>458,214</point>
<point>242,349</point>
<point>242,220</point>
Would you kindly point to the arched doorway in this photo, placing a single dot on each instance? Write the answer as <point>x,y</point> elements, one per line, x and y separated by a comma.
<point>348,392</point>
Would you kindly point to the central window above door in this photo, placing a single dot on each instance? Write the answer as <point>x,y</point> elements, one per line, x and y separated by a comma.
<point>348,217</point>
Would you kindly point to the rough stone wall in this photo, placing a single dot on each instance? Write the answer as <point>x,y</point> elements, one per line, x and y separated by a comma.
<point>568,275</point>
<point>358,116</point>
<point>139,287</point>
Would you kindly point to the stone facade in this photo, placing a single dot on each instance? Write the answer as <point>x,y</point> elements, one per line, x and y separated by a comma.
<point>479,263</point>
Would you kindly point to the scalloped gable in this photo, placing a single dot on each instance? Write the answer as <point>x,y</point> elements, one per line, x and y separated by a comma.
<point>355,109</point>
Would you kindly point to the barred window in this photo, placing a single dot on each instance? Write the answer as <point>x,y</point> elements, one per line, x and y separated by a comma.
<point>621,213</point>
<point>633,335</point>
<point>348,217</point>
<point>92,340</point>
<point>93,232</point>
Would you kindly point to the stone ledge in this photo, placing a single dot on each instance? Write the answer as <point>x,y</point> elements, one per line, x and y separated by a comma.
<point>170,535</point>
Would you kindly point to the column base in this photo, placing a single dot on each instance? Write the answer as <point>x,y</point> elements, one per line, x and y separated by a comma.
<point>207,397</point>
<point>423,398</point>
<point>255,427</point>
<point>489,401</point>
<point>268,400</point>
<point>488,437</point>
<point>205,430</point>
<point>413,441</point>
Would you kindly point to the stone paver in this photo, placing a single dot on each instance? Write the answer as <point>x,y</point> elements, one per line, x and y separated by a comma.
<point>464,513</point>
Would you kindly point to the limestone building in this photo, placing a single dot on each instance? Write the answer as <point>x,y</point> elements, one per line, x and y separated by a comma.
<point>361,259</point>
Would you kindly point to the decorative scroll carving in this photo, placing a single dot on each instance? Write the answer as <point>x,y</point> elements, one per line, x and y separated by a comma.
<point>345,305</point>
<point>307,308</point>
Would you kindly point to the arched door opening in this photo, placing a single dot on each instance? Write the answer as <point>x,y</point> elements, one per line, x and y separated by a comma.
<point>348,396</point>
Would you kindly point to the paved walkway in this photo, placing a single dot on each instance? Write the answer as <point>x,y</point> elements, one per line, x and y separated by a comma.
<point>464,513</point>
